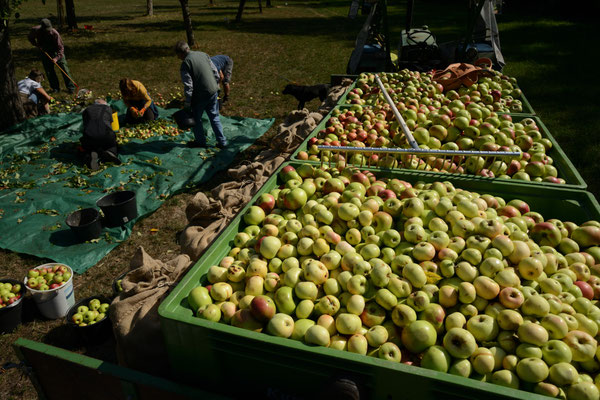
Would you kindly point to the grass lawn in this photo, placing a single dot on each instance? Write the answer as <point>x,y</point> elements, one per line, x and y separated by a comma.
<point>303,41</point>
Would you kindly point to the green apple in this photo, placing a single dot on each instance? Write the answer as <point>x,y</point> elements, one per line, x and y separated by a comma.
<point>583,345</point>
<point>533,333</point>
<point>389,351</point>
<point>436,358</point>
<point>556,351</point>
<point>418,336</point>
<point>532,370</point>
<point>300,328</point>
<point>505,378</point>
<point>317,335</point>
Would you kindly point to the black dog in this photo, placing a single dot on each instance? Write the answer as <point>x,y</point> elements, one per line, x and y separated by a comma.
<point>307,93</point>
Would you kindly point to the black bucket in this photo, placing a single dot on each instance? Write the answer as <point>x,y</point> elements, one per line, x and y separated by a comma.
<point>95,333</point>
<point>119,208</point>
<point>85,224</point>
<point>10,316</point>
<point>184,119</point>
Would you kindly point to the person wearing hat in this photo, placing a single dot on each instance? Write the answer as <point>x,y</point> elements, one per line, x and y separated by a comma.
<point>48,40</point>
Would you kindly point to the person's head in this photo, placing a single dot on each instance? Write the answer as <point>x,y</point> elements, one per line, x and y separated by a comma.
<point>36,75</point>
<point>100,100</point>
<point>182,49</point>
<point>46,25</point>
<point>126,85</point>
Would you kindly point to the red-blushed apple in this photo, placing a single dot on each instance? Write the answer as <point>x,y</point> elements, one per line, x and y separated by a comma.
<point>244,319</point>
<point>586,289</point>
<point>262,308</point>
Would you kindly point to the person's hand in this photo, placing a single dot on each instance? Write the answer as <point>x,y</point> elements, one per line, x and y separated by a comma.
<point>134,112</point>
<point>142,112</point>
<point>55,59</point>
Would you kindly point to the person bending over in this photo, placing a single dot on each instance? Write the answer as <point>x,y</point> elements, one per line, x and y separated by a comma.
<point>34,97</point>
<point>140,107</point>
<point>224,65</point>
<point>200,76</point>
<point>98,141</point>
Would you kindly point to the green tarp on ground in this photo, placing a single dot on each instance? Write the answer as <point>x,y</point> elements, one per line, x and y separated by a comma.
<point>43,180</point>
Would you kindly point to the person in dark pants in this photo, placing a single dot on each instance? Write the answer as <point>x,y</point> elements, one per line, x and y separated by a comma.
<point>98,141</point>
<point>48,40</point>
<point>140,107</point>
<point>224,65</point>
<point>199,76</point>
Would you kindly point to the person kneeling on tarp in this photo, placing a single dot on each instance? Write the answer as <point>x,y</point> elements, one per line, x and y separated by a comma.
<point>34,97</point>
<point>140,107</point>
<point>98,141</point>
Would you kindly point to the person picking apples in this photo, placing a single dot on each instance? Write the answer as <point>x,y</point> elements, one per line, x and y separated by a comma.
<point>98,142</point>
<point>140,107</point>
<point>200,76</point>
<point>224,65</point>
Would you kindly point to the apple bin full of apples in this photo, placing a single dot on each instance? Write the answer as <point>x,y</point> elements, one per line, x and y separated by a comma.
<point>427,274</point>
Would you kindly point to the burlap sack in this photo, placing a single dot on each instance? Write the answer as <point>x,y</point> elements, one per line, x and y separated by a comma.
<point>134,313</point>
<point>228,199</point>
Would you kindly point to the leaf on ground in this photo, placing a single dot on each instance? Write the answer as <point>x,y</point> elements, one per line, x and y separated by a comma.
<point>51,212</point>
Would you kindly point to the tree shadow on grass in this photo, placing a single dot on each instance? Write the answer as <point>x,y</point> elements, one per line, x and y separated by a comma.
<point>117,50</point>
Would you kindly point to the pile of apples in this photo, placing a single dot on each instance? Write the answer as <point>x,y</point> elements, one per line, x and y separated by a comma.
<point>496,93</point>
<point>91,314</point>
<point>9,293</point>
<point>48,278</point>
<point>426,274</point>
<point>450,128</point>
<point>146,130</point>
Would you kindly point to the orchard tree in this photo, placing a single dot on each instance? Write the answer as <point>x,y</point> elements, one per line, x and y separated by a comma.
<point>187,22</point>
<point>149,8</point>
<point>11,107</point>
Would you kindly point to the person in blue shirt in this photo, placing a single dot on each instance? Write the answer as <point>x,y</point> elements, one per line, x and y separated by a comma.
<point>200,76</point>
<point>224,65</point>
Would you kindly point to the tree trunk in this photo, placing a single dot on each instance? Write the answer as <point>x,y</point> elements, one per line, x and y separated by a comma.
<point>260,6</point>
<point>12,107</point>
<point>238,17</point>
<point>187,22</point>
<point>71,17</point>
<point>269,3</point>
<point>149,8</point>
<point>60,13</point>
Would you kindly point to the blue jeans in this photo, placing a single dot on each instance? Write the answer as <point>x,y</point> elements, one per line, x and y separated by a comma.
<point>211,106</point>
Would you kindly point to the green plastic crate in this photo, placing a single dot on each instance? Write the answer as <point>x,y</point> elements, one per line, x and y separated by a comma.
<point>201,350</point>
<point>565,167</point>
<point>52,369</point>
<point>527,108</point>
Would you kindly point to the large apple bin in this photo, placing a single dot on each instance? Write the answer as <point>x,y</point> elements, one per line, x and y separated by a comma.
<point>526,111</point>
<point>564,166</point>
<point>256,365</point>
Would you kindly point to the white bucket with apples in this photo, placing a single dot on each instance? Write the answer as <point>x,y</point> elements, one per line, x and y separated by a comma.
<point>55,300</point>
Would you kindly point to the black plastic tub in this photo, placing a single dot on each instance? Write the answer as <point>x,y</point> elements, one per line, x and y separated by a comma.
<point>10,316</point>
<point>85,224</point>
<point>119,208</point>
<point>95,333</point>
<point>183,119</point>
